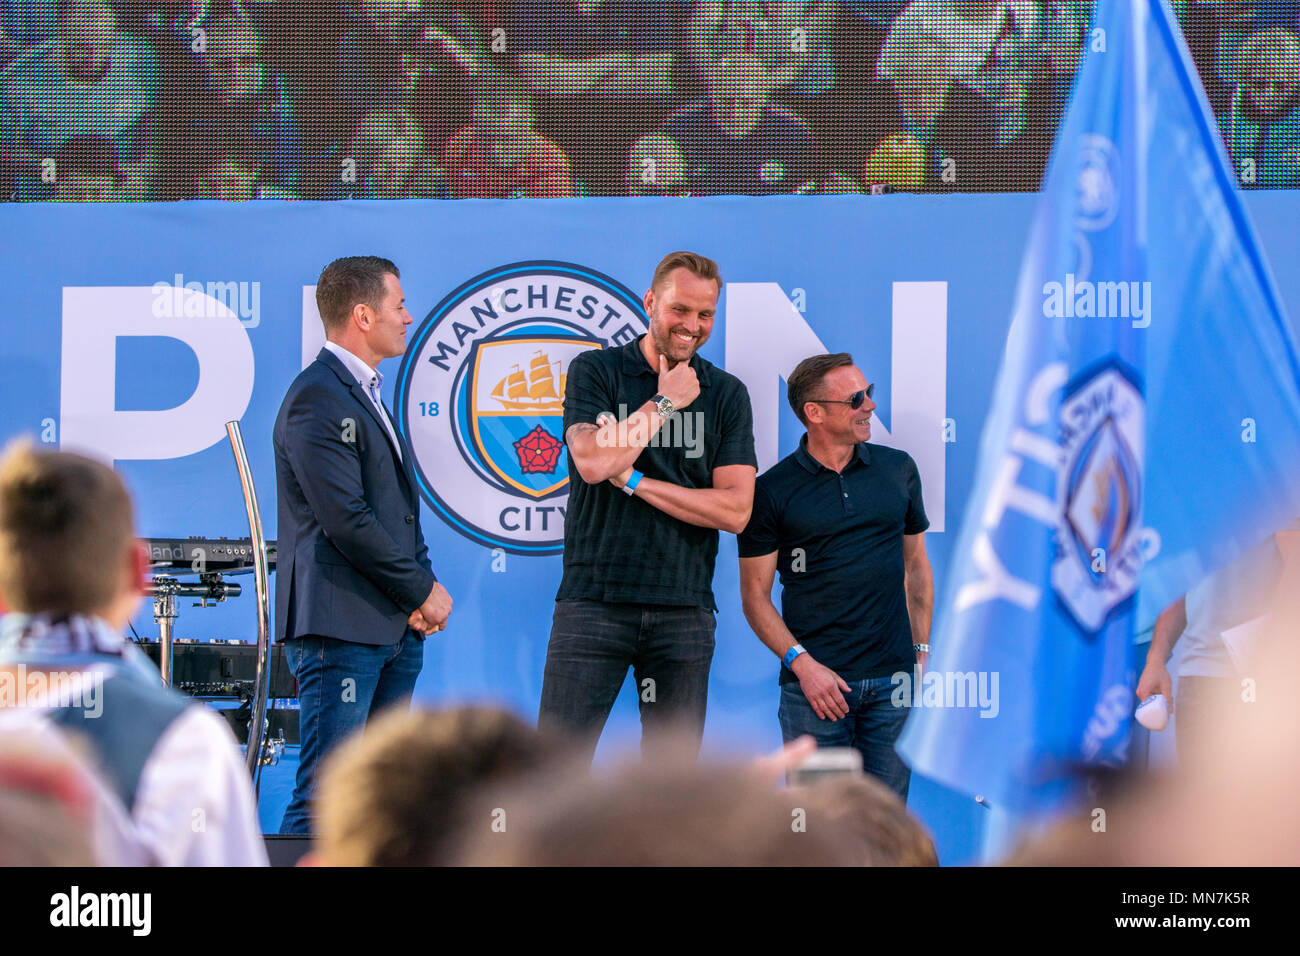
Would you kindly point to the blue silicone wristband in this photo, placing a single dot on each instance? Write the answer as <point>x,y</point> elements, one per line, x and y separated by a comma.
<point>633,480</point>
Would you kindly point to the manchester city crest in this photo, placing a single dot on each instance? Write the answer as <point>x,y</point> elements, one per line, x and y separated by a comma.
<point>480,396</point>
<point>1097,187</point>
<point>1099,552</point>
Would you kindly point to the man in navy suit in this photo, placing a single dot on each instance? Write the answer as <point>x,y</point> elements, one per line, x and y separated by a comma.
<point>355,593</point>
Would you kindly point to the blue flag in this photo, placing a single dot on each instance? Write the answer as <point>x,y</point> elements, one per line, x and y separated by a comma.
<point>1145,427</point>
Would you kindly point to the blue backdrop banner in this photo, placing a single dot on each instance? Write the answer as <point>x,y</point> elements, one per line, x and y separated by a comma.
<point>137,331</point>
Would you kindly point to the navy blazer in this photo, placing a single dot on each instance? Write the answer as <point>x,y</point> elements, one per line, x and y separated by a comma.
<point>351,563</point>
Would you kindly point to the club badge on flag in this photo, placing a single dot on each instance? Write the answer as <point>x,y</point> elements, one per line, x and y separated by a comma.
<point>1114,471</point>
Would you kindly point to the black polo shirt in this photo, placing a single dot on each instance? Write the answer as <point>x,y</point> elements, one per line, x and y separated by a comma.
<point>839,539</point>
<point>618,548</point>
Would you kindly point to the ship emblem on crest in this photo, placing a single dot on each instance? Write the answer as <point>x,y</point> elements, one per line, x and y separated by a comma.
<point>517,408</point>
<point>539,450</point>
<point>536,390</point>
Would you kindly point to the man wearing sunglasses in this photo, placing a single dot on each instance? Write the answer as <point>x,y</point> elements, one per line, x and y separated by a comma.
<point>843,521</point>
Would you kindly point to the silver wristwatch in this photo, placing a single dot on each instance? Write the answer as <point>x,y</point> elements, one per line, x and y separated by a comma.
<point>664,406</point>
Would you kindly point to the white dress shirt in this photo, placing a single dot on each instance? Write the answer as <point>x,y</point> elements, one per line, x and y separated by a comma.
<point>372,381</point>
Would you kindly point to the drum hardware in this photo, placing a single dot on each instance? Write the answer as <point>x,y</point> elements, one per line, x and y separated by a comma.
<point>165,589</point>
<point>210,559</point>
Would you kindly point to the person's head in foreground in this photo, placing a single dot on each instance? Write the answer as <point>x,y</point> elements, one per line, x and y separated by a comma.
<point>393,796</point>
<point>672,811</point>
<point>872,817</point>
<point>71,575</point>
<point>67,543</point>
<point>67,550</point>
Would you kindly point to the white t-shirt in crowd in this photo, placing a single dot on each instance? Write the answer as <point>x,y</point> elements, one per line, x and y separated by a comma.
<point>1231,596</point>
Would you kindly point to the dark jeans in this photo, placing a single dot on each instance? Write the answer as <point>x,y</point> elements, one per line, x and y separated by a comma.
<point>872,725</point>
<point>340,686</point>
<point>593,644</point>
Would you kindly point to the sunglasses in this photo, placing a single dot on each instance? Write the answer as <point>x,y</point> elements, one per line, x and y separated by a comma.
<point>853,401</point>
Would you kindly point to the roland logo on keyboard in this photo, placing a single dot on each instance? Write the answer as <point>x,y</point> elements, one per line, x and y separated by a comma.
<point>202,555</point>
<point>166,552</point>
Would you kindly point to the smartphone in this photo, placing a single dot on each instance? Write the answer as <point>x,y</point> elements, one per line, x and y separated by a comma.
<point>825,763</point>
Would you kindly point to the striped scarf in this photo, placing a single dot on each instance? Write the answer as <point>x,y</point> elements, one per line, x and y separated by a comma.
<point>57,635</point>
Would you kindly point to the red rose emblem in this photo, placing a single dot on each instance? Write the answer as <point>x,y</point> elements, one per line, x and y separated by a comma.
<point>539,452</point>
